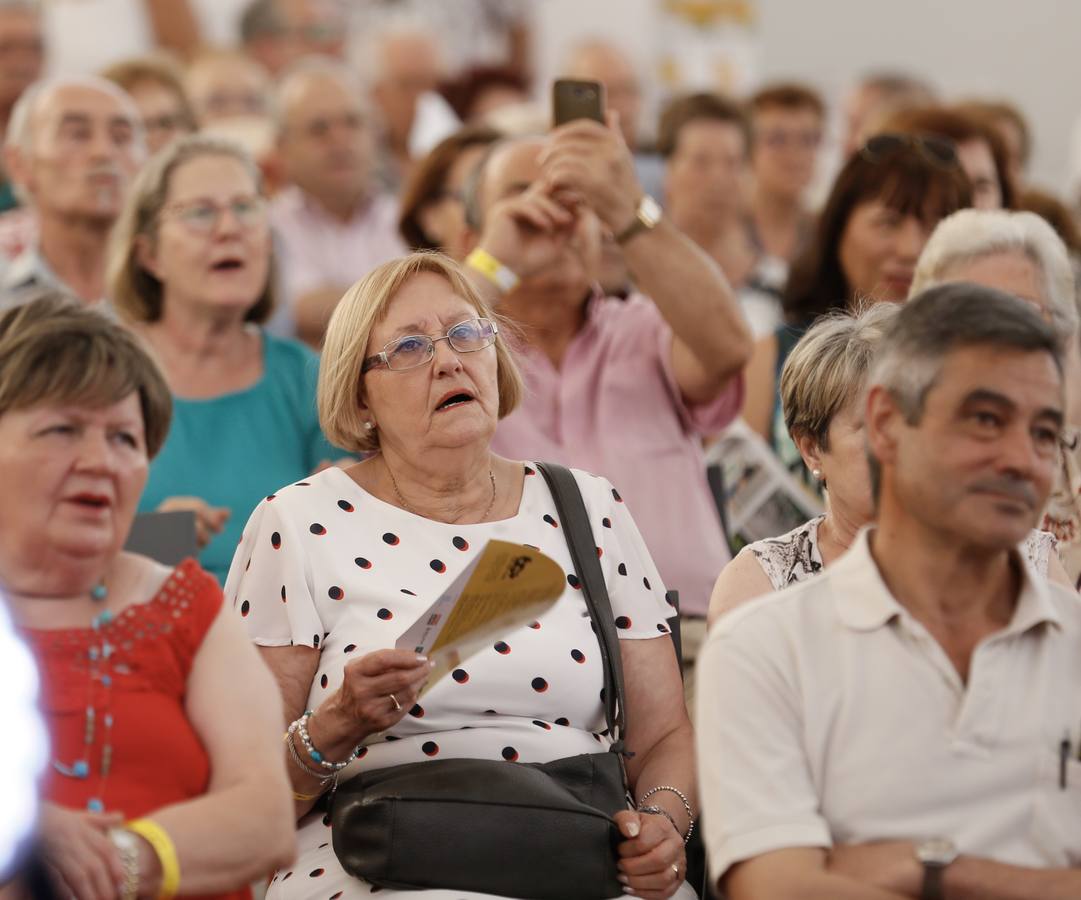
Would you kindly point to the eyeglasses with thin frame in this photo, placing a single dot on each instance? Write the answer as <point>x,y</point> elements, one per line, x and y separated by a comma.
<point>414,350</point>
<point>935,150</point>
<point>203,216</point>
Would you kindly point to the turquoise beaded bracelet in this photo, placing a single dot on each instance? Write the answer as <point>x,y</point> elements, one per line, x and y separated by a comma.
<point>300,727</point>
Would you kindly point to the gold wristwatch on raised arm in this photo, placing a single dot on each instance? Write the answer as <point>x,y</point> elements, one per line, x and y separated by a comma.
<point>646,216</point>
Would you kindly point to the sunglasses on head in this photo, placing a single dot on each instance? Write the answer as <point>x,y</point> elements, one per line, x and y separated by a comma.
<point>935,150</point>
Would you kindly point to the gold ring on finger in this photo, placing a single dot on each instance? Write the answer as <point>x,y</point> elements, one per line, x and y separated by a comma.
<point>394,700</point>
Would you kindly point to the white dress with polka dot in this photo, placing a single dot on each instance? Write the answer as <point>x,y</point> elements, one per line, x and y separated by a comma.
<point>325,564</point>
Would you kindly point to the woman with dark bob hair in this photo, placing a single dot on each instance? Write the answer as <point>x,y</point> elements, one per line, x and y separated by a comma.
<point>163,774</point>
<point>883,206</point>
<point>432,206</point>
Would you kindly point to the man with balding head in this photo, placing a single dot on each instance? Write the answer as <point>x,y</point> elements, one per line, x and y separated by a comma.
<point>332,226</point>
<point>599,60</point>
<point>73,146</point>
<point>622,388</point>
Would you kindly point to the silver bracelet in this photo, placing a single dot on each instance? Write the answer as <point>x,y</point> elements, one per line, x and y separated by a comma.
<point>682,797</point>
<point>321,777</point>
<point>127,845</point>
<point>300,726</point>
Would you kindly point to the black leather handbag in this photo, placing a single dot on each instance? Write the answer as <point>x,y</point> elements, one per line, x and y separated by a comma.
<point>537,831</point>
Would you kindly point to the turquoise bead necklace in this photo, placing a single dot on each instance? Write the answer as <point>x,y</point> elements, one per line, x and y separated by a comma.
<point>99,656</point>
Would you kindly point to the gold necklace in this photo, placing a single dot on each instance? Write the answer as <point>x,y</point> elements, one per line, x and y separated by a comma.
<point>408,508</point>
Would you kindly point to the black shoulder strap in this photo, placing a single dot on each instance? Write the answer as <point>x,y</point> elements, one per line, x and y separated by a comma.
<point>583,548</point>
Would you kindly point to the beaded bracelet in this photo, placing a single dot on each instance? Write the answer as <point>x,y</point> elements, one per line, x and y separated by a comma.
<point>300,726</point>
<point>322,777</point>
<point>682,797</point>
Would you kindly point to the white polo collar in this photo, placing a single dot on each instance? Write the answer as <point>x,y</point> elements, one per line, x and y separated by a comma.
<point>864,603</point>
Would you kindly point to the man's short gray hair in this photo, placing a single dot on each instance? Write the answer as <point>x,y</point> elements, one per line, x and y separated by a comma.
<point>949,317</point>
<point>972,234</point>
<point>320,66</point>
<point>20,132</point>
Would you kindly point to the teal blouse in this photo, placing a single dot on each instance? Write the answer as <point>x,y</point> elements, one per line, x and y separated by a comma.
<point>235,449</point>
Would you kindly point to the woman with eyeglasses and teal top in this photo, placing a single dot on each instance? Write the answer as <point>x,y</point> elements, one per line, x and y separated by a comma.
<point>190,269</point>
<point>883,206</point>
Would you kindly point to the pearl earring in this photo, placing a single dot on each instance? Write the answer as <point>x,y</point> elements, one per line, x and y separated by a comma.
<point>817,473</point>
<point>369,425</point>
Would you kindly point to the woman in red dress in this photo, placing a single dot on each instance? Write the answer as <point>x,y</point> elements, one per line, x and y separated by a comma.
<point>163,774</point>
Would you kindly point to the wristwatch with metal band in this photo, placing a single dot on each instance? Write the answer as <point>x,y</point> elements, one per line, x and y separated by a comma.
<point>646,217</point>
<point>935,855</point>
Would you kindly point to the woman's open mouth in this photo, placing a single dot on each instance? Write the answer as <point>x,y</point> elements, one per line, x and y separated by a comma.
<point>451,401</point>
<point>90,502</point>
<point>229,264</point>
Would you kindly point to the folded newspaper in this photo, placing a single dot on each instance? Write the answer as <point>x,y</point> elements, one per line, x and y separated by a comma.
<point>762,497</point>
<point>505,587</point>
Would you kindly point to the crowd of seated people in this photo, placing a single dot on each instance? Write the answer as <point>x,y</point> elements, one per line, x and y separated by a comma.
<point>337,302</point>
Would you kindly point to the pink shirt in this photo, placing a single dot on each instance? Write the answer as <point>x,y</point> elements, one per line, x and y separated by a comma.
<point>317,250</point>
<point>614,409</point>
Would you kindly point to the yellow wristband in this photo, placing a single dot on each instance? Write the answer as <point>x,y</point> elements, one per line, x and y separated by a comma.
<point>159,839</point>
<point>491,268</point>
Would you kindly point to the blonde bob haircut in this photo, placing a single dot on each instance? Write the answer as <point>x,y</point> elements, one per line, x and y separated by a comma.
<point>135,293</point>
<point>828,368</point>
<point>57,351</point>
<point>365,305</point>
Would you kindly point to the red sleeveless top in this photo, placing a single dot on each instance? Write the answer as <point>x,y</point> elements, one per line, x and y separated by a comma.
<point>157,758</point>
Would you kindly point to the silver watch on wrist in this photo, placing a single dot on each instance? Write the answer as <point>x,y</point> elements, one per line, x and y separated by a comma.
<point>646,216</point>
<point>935,854</point>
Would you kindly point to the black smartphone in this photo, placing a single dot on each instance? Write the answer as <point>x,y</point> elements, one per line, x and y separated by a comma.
<point>577,100</point>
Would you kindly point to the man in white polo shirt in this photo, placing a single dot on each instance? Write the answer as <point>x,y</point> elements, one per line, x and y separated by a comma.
<point>908,723</point>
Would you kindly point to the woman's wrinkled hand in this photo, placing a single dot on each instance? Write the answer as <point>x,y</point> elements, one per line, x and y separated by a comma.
<point>652,862</point>
<point>209,520</point>
<point>78,853</point>
<point>372,684</point>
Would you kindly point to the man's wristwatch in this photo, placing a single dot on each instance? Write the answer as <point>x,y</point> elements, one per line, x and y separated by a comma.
<point>935,854</point>
<point>646,217</point>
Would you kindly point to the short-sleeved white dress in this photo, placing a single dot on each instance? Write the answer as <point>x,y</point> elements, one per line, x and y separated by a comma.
<point>325,564</point>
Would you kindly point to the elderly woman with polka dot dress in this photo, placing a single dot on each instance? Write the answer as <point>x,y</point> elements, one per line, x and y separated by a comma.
<point>333,569</point>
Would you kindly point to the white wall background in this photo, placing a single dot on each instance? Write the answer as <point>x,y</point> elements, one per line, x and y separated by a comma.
<point>1026,51</point>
